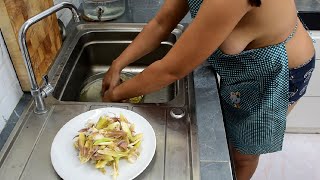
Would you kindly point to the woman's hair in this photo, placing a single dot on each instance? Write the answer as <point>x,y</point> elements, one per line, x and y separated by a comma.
<point>255,2</point>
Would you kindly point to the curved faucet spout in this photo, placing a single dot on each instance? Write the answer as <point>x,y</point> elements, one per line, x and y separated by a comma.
<point>35,90</point>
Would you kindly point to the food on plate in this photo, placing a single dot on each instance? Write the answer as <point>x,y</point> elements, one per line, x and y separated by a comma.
<point>106,142</point>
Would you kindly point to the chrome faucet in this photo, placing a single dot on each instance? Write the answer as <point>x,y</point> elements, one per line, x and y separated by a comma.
<point>40,93</point>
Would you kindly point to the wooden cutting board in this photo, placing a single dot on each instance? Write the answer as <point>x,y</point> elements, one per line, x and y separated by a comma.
<point>43,38</point>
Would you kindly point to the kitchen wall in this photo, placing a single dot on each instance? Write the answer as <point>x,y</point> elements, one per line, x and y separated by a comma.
<point>10,90</point>
<point>65,15</point>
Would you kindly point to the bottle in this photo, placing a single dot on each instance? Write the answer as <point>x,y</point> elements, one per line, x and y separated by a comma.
<point>103,10</point>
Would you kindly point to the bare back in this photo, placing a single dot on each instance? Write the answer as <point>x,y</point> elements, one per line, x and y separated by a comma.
<point>269,24</point>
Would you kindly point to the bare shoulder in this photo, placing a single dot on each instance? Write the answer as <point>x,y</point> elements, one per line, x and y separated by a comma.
<point>270,23</point>
<point>273,21</point>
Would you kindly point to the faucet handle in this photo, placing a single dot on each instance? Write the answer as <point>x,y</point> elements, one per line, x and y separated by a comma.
<point>47,89</point>
<point>45,79</point>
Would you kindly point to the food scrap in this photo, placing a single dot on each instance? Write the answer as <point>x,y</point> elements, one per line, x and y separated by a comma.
<point>106,142</point>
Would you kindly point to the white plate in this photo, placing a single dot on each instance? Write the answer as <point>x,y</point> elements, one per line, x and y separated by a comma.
<point>64,156</point>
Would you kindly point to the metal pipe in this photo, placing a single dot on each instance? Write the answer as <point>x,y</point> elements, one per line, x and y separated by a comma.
<point>36,92</point>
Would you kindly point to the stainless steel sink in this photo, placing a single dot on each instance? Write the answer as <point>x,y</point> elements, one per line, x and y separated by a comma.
<point>93,54</point>
<point>88,50</point>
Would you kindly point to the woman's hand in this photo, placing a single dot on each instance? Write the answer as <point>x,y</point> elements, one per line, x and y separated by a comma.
<point>108,95</point>
<point>110,81</point>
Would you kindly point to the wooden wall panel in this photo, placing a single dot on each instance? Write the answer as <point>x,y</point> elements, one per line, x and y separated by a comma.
<point>43,38</point>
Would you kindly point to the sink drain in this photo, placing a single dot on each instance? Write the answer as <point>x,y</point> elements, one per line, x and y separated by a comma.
<point>177,113</point>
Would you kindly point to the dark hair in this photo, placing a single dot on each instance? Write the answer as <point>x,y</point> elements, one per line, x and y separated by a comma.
<point>255,2</point>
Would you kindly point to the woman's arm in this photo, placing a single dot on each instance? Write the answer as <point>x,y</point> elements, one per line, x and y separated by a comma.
<point>159,28</point>
<point>214,22</point>
<point>149,39</point>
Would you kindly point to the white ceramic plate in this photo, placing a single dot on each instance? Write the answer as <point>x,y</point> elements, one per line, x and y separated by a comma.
<point>66,162</point>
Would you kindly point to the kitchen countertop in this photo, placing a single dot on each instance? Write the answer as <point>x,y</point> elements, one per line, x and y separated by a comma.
<point>309,13</point>
<point>214,157</point>
<point>308,5</point>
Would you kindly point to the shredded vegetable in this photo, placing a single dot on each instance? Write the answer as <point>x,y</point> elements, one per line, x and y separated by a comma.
<point>106,142</point>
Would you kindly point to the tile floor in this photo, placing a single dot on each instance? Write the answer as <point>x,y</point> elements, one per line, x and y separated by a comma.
<point>299,160</point>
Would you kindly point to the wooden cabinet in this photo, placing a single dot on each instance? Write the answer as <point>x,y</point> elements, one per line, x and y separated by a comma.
<point>43,38</point>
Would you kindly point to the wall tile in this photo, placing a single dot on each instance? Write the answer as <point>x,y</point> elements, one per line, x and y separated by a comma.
<point>65,18</point>
<point>10,90</point>
<point>304,118</point>
<point>314,86</point>
<point>3,91</point>
<point>316,37</point>
<point>65,15</point>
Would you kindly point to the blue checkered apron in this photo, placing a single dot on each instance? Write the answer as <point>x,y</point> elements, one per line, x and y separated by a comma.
<point>254,90</point>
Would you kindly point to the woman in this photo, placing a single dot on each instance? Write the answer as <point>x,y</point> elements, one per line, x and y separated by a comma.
<point>259,48</point>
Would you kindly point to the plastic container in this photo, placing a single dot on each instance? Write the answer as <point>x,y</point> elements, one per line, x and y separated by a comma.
<point>103,10</point>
